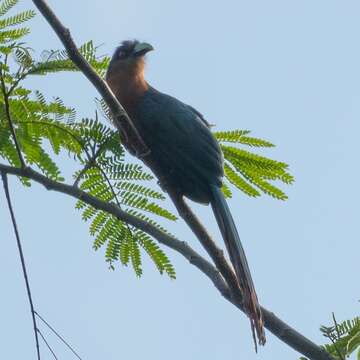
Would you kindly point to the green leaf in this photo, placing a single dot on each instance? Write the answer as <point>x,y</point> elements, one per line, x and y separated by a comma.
<point>140,202</point>
<point>226,191</point>
<point>129,187</point>
<point>160,259</point>
<point>128,172</point>
<point>58,60</point>
<point>252,159</point>
<point>353,342</point>
<point>135,257</point>
<point>255,142</point>
<point>239,182</point>
<point>12,35</point>
<point>17,19</point>
<point>105,232</point>
<point>6,5</point>
<point>239,136</point>
<point>22,57</point>
<point>344,337</point>
<point>230,136</point>
<point>264,185</point>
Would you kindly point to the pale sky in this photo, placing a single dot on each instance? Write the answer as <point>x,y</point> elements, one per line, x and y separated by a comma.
<point>286,70</point>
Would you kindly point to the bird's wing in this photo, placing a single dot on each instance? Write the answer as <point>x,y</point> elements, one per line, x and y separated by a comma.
<point>174,130</point>
<point>200,115</point>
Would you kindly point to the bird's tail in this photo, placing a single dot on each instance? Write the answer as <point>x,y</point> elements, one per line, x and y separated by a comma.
<point>238,259</point>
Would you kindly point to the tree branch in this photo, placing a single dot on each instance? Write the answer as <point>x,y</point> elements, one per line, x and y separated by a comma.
<point>279,328</point>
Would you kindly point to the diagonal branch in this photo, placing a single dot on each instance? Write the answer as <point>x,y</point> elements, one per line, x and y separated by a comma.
<point>278,327</point>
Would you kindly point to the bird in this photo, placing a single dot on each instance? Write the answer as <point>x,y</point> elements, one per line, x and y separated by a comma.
<point>183,147</point>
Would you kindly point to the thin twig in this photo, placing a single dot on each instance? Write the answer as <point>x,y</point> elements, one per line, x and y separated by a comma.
<point>58,335</point>
<point>89,164</point>
<point>7,194</point>
<point>338,335</point>
<point>336,325</point>
<point>275,325</point>
<point>47,345</point>
<point>17,81</point>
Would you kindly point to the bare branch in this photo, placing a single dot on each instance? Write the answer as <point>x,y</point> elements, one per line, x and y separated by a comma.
<point>58,335</point>
<point>48,345</point>
<point>7,194</point>
<point>279,328</point>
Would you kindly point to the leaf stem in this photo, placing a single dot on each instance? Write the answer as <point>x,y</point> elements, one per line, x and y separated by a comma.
<point>8,116</point>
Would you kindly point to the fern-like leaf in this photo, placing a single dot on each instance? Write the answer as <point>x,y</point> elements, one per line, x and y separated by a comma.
<point>252,159</point>
<point>239,182</point>
<point>17,19</point>
<point>226,191</point>
<point>140,202</point>
<point>160,259</point>
<point>230,136</point>
<point>239,136</point>
<point>130,187</point>
<point>6,5</point>
<point>12,35</point>
<point>135,256</point>
<point>56,61</point>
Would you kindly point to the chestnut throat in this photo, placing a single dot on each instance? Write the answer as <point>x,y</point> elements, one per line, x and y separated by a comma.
<point>128,85</point>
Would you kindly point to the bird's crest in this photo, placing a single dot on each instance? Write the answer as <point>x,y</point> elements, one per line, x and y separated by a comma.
<point>125,49</point>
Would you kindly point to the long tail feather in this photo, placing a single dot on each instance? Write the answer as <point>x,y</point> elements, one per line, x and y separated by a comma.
<point>237,256</point>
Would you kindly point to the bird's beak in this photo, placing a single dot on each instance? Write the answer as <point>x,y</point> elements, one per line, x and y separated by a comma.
<point>142,48</point>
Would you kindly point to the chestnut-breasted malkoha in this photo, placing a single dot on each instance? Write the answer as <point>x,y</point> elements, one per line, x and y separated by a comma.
<point>183,147</point>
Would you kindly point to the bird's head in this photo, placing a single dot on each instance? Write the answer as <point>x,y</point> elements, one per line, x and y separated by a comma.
<point>128,59</point>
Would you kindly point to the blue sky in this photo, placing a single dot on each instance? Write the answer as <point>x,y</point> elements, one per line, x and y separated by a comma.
<point>286,70</point>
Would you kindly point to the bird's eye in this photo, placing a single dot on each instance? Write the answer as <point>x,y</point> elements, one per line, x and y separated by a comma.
<point>121,54</point>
